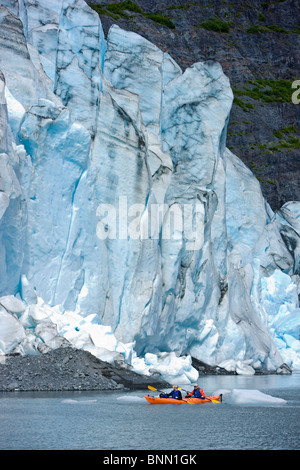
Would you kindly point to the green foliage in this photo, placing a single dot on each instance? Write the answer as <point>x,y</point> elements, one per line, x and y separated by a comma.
<point>101,11</point>
<point>240,103</point>
<point>270,91</point>
<point>289,129</point>
<point>118,8</point>
<point>217,25</point>
<point>277,29</point>
<point>291,143</point>
<point>245,106</point>
<point>176,7</point>
<point>159,18</point>
<point>115,10</point>
<point>258,29</point>
<point>287,140</point>
<point>278,134</point>
<point>267,29</point>
<point>265,5</point>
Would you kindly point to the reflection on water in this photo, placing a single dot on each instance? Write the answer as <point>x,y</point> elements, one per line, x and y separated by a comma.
<point>119,420</point>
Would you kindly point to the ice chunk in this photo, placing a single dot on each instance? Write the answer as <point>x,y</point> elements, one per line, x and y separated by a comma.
<point>15,111</point>
<point>251,397</point>
<point>11,332</point>
<point>169,366</point>
<point>47,331</point>
<point>240,367</point>
<point>279,297</point>
<point>130,399</point>
<point>244,369</point>
<point>12,304</point>
<point>4,203</point>
<point>28,294</point>
<point>22,78</point>
<point>78,402</point>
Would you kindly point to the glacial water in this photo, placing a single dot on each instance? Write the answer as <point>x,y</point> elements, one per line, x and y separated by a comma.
<point>124,421</point>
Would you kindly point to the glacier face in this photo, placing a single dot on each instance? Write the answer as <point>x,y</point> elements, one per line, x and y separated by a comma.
<point>126,226</point>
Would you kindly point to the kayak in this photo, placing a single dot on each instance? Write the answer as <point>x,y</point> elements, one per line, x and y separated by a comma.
<point>205,400</point>
<point>164,401</point>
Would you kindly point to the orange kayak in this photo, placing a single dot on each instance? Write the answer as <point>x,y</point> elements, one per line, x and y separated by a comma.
<point>205,400</point>
<point>164,401</point>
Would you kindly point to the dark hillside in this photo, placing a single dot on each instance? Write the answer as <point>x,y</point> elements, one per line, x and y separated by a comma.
<point>258,45</point>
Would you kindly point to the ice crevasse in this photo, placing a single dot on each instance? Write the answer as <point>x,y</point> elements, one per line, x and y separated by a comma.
<point>127,228</point>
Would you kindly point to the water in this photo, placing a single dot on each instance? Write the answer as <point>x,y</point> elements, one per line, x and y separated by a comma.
<point>124,421</point>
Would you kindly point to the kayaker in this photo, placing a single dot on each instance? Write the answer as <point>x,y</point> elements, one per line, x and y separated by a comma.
<point>196,393</point>
<point>175,393</point>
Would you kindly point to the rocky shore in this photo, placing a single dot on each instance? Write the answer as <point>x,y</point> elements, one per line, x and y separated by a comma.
<point>205,369</point>
<point>69,369</point>
<point>72,369</point>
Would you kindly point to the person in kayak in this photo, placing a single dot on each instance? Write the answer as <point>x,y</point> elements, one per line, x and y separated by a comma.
<point>196,393</point>
<point>175,393</point>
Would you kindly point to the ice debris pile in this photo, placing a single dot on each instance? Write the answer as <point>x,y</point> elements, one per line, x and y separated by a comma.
<point>127,227</point>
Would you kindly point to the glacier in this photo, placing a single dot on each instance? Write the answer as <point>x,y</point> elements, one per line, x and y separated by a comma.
<point>127,228</point>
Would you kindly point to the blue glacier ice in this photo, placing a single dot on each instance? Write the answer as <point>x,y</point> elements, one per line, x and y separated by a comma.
<point>127,228</point>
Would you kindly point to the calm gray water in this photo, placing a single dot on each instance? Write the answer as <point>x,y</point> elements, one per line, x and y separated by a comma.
<point>124,421</point>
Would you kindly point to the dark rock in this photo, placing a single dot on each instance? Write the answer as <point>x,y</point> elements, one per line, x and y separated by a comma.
<point>206,369</point>
<point>267,54</point>
<point>284,369</point>
<point>12,386</point>
<point>69,369</point>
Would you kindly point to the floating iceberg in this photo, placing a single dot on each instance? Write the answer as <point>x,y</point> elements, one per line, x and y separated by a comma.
<point>249,397</point>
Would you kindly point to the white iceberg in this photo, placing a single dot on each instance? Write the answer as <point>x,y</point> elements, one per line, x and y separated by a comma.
<point>249,397</point>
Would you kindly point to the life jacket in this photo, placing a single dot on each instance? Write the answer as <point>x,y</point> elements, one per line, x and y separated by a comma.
<point>199,393</point>
<point>175,394</point>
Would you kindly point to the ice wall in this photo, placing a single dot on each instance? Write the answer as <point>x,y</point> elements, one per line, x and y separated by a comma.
<point>125,221</point>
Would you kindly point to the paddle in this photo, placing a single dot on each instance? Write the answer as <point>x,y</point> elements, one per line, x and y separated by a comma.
<point>157,390</point>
